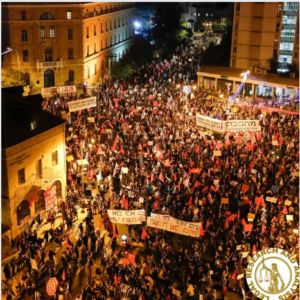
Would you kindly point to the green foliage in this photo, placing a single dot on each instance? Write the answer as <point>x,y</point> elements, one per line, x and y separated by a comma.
<point>273,65</point>
<point>219,55</point>
<point>221,27</point>
<point>139,54</point>
<point>10,77</point>
<point>122,69</point>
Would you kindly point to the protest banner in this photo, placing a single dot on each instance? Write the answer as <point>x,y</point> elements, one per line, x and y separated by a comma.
<point>242,126</point>
<point>82,104</point>
<point>50,197</point>
<point>66,89</point>
<point>271,199</point>
<point>209,123</point>
<point>127,216</point>
<point>174,225</point>
<point>289,217</point>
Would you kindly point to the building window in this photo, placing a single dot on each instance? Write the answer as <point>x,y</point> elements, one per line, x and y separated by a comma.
<point>22,212</point>
<point>122,21</point>
<point>46,16</point>
<point>100,44</point>
<point>42,32</point>
<point>95,69</point>
<point>286,46</point>
<point>106,26</point>
<point>289,19</point>
<point>105,43</point>
<point>70,34</point>
<point>70,53</point>
<point>25,55</point>
<point>279,8</point>
<point>122,36</point>
<point>38,169</point>
<point>277,27</point>
<point>69,15</point>
<point>23,15</point>
<point>110,24</point>
<point>101,28</point>
<point>115,39</point>
<point>52,32</point>
<point>87,13</point>
<point>87,32</point>
<point>88,75</point>
<point>110,41</point>
<point>119,22</point>
<point>55,153</point>
<point>21,176</point>
<point>234,49</point>
<point>115,23</point>
<point>87,50</point>
<point>119,38</point>
<point>71,76</point>
<point>233,63</point>
<point>48,54</point>
<point>27,78</point>
<point>95,12</point>
<point>102,65</point>
<point>95,48</point>
<point>24,36</point>
<point>236,26</point>
<point>126,20</point>
<point>238,7</point>
<point>33,123</point>
<point>95,30</point>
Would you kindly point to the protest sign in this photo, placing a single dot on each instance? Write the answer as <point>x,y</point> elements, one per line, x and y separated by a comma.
<point>217,153</point>
<point>66,89</point>
<point>50,197</point>
<point>240,276</point>
<point>209,123</point>
<point>271,199</point>
<point>224,200</point>
<point>242,126</point>
<point>127,216</point>
<point>82,104</point>
<point>289,217</point>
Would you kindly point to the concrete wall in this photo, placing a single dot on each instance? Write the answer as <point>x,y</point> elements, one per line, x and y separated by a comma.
<point>25,156</point>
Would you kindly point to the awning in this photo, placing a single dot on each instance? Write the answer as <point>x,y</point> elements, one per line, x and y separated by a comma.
<point>32,193</point>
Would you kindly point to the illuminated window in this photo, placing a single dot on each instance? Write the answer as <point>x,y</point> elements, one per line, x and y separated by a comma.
<point>52,32</point>
<point>33,125</point>
<point>42,32</point>
<point>38,168</point>
<point>69,14</point>
<point>24,36</point>
<point>55,158</point>
<point>21,176</point>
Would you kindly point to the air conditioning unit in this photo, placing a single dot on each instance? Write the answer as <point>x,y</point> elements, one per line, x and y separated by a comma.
<point>259,71</point>
<point>263,71</point>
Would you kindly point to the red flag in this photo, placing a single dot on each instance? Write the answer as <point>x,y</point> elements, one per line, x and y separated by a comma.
<point>186,182</point>
<point>123,201</point>
<point>70,177</point>
<point>190,201</point>
<point>234,277</point>
<point>67,243</point>
<point>212,188</point>
<point>131,258</point>
<point>196,184</point>
<point>244,222</point>
<point>114,147</point>
<point>116,280</point>
<point>254,249</point>
<point>140,147</point>
<point>197,149</point>
<point>144,234</point>
<point>125,261</point>
<point>201,230</point>
<point>126,204</point>
<point>155,206</point>
<point>226,223</point>
<point>152,178</point>
<point>148,151</point>
<point>161,177</point>
<point>100,224</point>
<point>238,216</point>
<point>63,277</point>
<point>79,113</point>
<point>99,150</point>
<point>122,150</point>
<point>167,163</point>
<point>175,177</point>
<point>232,217</point>
<point>263,228</point>
<point>78,123</point>
<point>207,224</point>
<point>205,189</point>
<point>285,211</point>
<point>115,231</point>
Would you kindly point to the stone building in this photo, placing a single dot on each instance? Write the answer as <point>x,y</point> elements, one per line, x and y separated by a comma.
<point>33,162</point>
<point>58,44</point>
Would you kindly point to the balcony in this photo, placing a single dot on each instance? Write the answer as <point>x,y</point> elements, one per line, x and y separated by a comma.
<point>285,52</point>
<point>288,26</point>
<point>288,39</point>
<point>290,12</point>
<point>48,64</point>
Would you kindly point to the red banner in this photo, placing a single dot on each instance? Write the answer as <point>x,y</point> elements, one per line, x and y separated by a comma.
<point>50,197</point>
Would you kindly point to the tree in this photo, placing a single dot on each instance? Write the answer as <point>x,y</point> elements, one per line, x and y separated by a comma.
<point>219,55</point>
<point>122,69</point>
<point>273,65</point>
<point>10,77</point>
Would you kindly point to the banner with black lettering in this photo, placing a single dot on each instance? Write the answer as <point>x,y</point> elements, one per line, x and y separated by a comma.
<point>127,216</point>
<point>242,126</point>
<point>174,225</point>
<point>82,104</point>
<point>209,123</point>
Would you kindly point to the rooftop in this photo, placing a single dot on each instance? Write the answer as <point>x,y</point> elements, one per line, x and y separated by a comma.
<point>18,113</point>
<point>235,72</point>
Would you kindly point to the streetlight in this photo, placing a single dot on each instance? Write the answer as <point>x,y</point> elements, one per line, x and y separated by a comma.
<point>8,49</point>
<point>124,240</point>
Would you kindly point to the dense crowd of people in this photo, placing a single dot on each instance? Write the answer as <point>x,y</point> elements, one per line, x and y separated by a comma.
<point>147,126</point>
